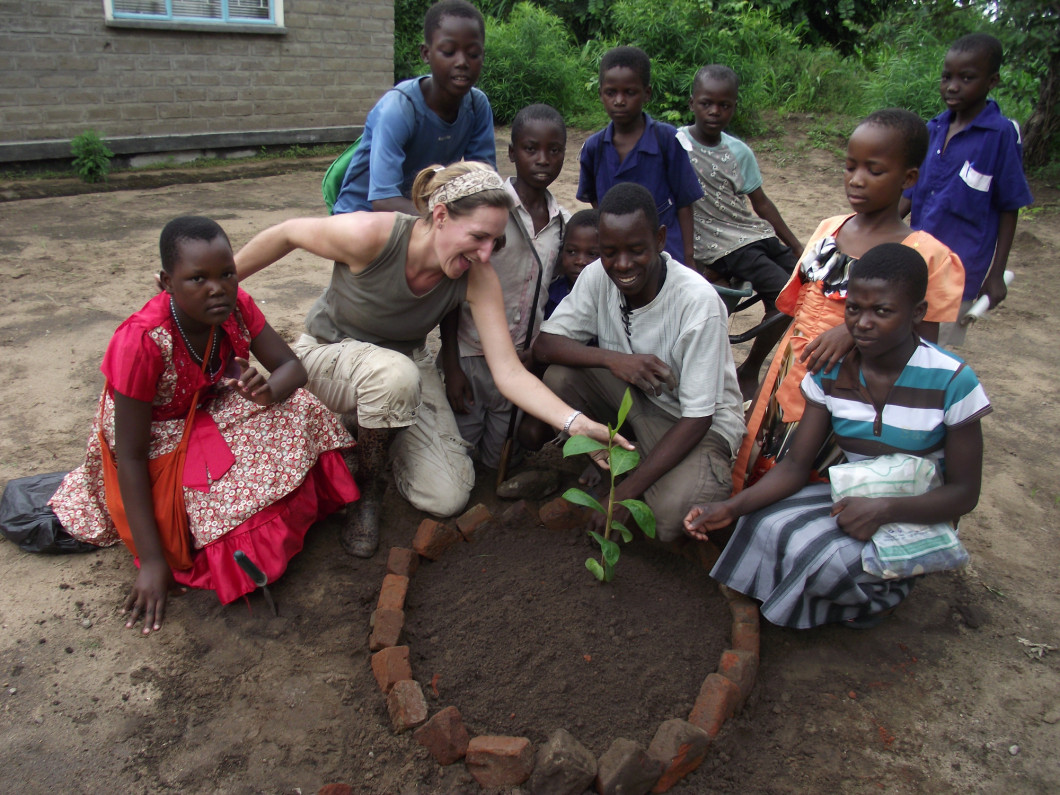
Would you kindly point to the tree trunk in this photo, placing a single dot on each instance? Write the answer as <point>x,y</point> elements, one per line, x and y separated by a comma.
<point>1043,126</point>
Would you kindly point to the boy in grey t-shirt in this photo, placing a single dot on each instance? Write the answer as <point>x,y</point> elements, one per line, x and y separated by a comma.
<point>729,240</point>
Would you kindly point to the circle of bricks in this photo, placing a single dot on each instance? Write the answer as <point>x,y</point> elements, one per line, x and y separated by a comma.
<point>676,749</point>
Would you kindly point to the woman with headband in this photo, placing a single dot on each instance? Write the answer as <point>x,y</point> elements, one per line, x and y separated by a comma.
<point>395,277</point>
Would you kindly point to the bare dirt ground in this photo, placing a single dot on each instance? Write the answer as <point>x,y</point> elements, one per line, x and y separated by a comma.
<point>944,697</point>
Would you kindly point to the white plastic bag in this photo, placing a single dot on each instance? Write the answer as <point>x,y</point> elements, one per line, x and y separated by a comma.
<point>900,550</point>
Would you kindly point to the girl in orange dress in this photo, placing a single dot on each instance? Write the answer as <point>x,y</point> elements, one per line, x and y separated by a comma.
<point>883,158</point>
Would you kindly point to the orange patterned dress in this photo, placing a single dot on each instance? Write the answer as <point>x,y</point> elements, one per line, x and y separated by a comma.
<point>815,296</point>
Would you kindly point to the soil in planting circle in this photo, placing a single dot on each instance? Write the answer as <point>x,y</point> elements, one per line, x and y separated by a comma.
<point>517,634</point>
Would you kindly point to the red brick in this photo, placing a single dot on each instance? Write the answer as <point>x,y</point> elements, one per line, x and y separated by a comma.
<point>433,538</point>
<point>715,704</point>
<point>402,561</point>
<point>680,748</point>
<point>704,554</point>
<point>444,736</point>
<point>519,516</point>
<point>473,521</point>
<point>561,515</point>
<point>745,636</point>
<point>390,666</point>
<point>406,705</point>
<point>740,667</point>
<point>392,594</point>
<point>500,761</point>
<point>386,629</point>
<point>745,610</point>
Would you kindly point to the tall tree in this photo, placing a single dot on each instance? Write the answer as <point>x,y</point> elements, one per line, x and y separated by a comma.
<point>1033,42</point>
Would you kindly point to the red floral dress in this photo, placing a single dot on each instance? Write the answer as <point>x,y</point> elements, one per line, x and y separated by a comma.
<point>256,477</point>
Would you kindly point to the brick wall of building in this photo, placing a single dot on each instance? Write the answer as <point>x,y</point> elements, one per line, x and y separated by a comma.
<point>63,70</point>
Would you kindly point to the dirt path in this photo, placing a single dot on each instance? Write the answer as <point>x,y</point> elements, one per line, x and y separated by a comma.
<point>942,698</point>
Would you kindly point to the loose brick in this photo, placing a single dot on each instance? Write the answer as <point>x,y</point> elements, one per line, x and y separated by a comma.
<point>704,554</point>
<point>433,538</point>
<point>626,769</point>
<point>729,593</point>
<point>406,705</point>
<point>386,629</point>
<point>680,748</point>
<point>444,736</point>
<point>715,704</point>
<point>560,515</point>
<point>745,636</point>
<point>390,666</point>
<point>745,610</point>
<point>500,761</point>
<point>392,594</point>
<point>519,516</point>
<point>402,561</point>
<point>564,767</point>
<point>473,521</point>
<point>739,667</point>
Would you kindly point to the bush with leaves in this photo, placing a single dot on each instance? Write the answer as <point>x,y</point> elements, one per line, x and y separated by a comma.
<point>684,35</point>
<point>530,58</point>
<point>91,156</point>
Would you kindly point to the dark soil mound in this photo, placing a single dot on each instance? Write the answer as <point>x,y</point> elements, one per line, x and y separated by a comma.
<point>523,640</point>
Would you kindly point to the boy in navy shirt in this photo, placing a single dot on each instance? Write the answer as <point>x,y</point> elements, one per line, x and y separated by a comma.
<point>636,148</point>
<point>971,183</point>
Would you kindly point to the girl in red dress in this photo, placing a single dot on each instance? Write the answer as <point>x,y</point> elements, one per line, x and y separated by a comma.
<point>263,456</point>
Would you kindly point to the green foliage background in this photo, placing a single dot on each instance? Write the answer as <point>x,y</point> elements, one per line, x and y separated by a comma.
<point>837,58</point>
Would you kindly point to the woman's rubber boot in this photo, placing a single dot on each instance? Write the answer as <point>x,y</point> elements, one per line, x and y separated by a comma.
<point>360,536</point>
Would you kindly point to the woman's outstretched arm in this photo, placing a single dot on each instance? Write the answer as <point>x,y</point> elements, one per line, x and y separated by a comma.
<point>512,379</point>
<point>354,239</point>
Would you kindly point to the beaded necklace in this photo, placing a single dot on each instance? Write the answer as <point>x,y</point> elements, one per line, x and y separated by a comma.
<point>210,374</point>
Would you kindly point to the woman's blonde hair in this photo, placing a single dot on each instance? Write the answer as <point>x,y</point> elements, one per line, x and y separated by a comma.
<point>462,187</point>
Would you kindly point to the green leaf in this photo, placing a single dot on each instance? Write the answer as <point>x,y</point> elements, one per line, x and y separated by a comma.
<point>642,515</point>
<point>599,538</point>
<point>624,407</point>
<point>593,565</point>
<point>579,497</point>
<point>609,571</point>
<point>611,551</point>
<point>623,531</point>
<point>576,445</point>
<point>622,460</point>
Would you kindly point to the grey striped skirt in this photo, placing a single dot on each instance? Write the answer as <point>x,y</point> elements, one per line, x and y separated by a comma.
<point>793,558</point>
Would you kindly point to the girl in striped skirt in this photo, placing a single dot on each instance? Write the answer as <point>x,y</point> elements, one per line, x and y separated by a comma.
<point>794,549</point>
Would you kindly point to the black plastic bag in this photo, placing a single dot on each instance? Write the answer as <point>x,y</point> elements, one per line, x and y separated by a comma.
<point>26,518</point>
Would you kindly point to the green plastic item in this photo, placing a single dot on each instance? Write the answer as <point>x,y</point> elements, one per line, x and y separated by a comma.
<point>336,173</point>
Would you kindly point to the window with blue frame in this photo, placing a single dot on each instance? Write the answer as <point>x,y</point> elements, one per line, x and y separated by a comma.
<point>204,12</point>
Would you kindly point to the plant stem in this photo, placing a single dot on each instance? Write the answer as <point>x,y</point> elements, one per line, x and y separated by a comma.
<point>610,500</point>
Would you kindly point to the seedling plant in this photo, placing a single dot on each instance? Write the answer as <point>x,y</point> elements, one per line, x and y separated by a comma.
<point>620,461</point>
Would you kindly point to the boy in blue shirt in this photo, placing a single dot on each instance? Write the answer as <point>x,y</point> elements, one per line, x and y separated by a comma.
<point>441,118</point>
<point>636,148</point>
<point>731,242</point>
<point>971,183</point>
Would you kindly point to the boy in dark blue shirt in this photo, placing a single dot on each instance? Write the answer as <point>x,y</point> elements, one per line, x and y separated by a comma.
<point>636,148</point>
<point>971,183</point>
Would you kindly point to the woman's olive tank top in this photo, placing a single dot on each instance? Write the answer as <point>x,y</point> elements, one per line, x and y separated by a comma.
<point>377,306</point>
